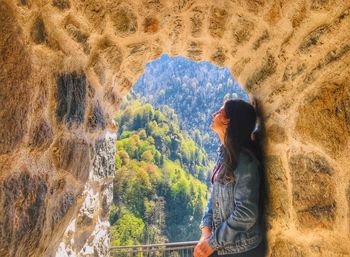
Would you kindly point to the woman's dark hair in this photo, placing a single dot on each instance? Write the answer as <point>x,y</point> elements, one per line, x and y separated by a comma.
<point>243,121</point>
<point>246,130</point>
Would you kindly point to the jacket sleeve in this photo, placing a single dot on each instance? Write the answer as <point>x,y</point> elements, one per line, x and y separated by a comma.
<point>245,214</point>
<point>207,219</point>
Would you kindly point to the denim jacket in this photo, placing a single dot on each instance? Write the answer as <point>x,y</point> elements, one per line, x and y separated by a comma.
<point>232,211</point>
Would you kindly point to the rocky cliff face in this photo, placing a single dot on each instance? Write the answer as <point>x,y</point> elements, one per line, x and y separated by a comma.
<point>66,64</point>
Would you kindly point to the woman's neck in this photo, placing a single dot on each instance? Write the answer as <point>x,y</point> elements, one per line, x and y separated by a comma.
<point>222,137</point>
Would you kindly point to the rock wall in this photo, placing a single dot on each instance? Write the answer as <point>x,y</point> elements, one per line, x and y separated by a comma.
<point>66,64</point>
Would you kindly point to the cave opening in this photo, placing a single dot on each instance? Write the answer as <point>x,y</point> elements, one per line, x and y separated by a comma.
<point>166,150</point>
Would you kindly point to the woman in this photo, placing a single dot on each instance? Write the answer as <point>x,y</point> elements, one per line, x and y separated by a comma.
<point>232,224</point>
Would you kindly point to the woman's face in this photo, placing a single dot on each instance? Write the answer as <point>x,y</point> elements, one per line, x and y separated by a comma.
<point>220,121</point>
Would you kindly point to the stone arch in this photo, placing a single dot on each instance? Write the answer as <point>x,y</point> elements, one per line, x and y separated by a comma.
<point>66,64</point>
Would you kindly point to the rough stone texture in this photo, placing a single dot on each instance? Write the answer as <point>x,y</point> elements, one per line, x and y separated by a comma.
<point>41,136</point>
<point>88,233</point>
<point>24,224</point>
<point>107,198</point>
<point>276,188</point>
<point>15,74</point>
<point>286,248</point>
<point>71,91</point>
<point>61,4</point>
<point>277,133</point>
<point>123,19</point>
<point>110,54</point>
<point>268,68</point>
<point>313,190</point>
<point>96,118</point>
<point>67,200</point>
<point>78,34</point>
<point>217,21</point>
<point>150,25</point>
<point>38,31</point>
<point>103,165</point>
<point>324,117</point>
<point>66,65</point>
<point>74,156</point>
<point>197,19</point>
<point>242,31</point>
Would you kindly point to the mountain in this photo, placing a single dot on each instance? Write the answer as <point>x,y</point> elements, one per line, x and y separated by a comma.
<point>195,90</point>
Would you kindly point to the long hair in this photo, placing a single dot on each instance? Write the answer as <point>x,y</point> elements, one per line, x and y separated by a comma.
<point>246,130</point>
<point>239,134</point>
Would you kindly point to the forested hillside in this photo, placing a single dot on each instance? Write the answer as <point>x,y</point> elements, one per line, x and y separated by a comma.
<point>194,90</point>
<point>160,180</point>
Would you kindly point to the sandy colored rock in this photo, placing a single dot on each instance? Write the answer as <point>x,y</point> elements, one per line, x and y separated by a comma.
<point>277,133</point>
<point>71,93</point>
<point>324,117</point>
<point>313,192</point>
<point>283,247</point>
<point>277,193</point>
<point>24,225</point>
<point>14,78</point>
<point>73,155</point>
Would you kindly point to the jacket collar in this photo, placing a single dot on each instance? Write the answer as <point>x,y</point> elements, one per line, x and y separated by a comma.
<point>220,151</point>
<point>220,148</point>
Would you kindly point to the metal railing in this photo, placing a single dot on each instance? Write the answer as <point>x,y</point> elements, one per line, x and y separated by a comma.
<point>178,249</point>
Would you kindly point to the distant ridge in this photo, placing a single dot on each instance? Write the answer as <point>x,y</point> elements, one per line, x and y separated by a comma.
<point>195,90</point>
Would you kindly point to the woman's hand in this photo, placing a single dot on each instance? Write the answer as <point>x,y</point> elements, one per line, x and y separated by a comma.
<point>206,233</point>
<point>203,249</point>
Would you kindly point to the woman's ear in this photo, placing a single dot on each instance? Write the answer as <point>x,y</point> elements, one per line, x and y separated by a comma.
<point>253,100</point>
<point>258,132</point>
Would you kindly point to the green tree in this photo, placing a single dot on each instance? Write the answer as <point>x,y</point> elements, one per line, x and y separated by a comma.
<point>128,230</point>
